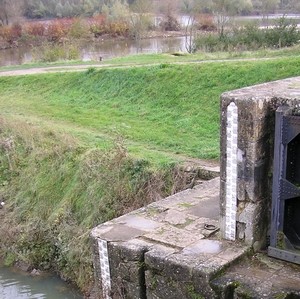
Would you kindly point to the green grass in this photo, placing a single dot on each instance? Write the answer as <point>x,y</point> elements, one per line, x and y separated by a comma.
<point>172,109</point>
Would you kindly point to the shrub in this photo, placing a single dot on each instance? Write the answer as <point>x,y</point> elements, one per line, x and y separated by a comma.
<point>79,29</point>
<point>51,52</point>
<point>97,25</point>
<point>284,34</point>
<point>208,43</point>
<point>251,37</point>
<point>5,33</point>
<point>16,31</point>
<point>170,23</point>
<point>205,22</point>
<point>58,29</point>
<point>118,29</point>
<point>11,33</point>
<point>35,29</point>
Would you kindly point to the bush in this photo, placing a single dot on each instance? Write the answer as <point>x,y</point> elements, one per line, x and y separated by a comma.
<point>251,37</point>
<point>205,22</point>
<point>79,29</point>
<point>170,23</point>
<point>97,25</point>
<point>284,34</point>
<point>11,33</point>
<point>208,43</point>
<point>51,52</point>
<point>119,29</point>
<point>35,29</point>
<point>58,29</point>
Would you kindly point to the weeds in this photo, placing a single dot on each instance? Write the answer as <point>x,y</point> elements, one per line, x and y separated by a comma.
<point>58,190</point>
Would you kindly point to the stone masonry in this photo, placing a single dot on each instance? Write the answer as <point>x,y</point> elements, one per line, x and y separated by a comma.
<point>169,249</point>
<point>255,108</point>
<point>197,243</point>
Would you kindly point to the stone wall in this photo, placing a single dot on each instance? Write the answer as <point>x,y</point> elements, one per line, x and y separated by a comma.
<point>246,190</point>
<point>174,248</point>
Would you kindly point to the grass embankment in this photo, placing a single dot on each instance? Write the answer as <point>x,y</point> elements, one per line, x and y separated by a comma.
<point>78,149</point>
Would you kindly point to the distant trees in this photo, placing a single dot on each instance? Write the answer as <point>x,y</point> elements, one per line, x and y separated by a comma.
<point>10,10</point>
<point>61,8</point>
<point>222,9</point>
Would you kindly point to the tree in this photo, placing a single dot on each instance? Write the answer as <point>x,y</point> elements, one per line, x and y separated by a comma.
<point>59,10</point>
<point>190,8</point>
<point>140,18</point>
<point>10,11</point>
<point>67,9</point>
<point>224,10</point>
<point>116,10</point>
<point>267,7</point>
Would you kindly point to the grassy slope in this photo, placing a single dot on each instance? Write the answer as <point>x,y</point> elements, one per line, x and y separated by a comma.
<point>167,108</point>
<point>61,172</point>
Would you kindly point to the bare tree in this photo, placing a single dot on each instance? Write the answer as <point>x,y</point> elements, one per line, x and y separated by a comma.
<point>224,10</point>
<point>267,7</point>
<point>10,11</point>
<point>190,8</point>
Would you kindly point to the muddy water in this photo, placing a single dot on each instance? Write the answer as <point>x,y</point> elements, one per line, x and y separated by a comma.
<point>105,49</point>
<point>18,285</point>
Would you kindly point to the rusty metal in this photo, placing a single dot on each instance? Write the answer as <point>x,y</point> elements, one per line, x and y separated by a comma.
<point>285,222</point>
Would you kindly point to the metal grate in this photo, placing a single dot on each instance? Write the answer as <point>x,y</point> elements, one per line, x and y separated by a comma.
<point>285,225</point>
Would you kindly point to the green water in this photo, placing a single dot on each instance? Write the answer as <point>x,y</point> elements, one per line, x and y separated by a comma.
<point>18,285</point>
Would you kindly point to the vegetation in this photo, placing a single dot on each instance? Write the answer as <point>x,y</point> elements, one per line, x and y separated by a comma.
<point>78,149</point>
<point>251,37</point>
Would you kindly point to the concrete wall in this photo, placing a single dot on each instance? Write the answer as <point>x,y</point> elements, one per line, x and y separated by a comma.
<point>246,190</point>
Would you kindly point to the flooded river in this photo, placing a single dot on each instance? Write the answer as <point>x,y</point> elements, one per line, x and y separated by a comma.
<point>105,49</point>
<point>19,285</point>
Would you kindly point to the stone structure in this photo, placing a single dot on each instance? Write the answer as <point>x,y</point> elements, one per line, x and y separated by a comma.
<point>249,147</point>
<point>174,248</point>
<point>169,249</point>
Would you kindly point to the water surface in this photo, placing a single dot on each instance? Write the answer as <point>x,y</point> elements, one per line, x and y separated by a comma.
<point>15,284</point>
<point>105,49</point>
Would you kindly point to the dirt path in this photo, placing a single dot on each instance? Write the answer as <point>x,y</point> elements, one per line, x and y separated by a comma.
<point>85,67</point>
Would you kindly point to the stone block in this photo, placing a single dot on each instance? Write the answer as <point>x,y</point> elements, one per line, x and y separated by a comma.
<point>127,269</point>
<point>174,236</point>
<point>164,287</point>
<point>155,258</point>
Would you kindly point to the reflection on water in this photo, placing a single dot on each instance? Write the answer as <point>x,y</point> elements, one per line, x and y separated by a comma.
<point>17,285</point>
<point>105,49</point>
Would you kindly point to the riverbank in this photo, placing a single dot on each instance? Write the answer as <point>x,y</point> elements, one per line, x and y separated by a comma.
<point>80,148</point>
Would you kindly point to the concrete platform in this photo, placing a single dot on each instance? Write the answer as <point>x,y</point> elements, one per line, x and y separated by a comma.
<point>169,249</point>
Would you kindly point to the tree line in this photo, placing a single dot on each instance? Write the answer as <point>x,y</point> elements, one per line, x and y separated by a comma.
<point>11,10</point>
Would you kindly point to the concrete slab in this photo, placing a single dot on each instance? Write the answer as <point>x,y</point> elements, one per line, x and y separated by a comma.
<point>174,236</point>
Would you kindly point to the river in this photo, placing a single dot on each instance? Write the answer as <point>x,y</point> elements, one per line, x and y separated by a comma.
<point>15,284</point>
<point>105,49</point>
<point>115,48</point>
